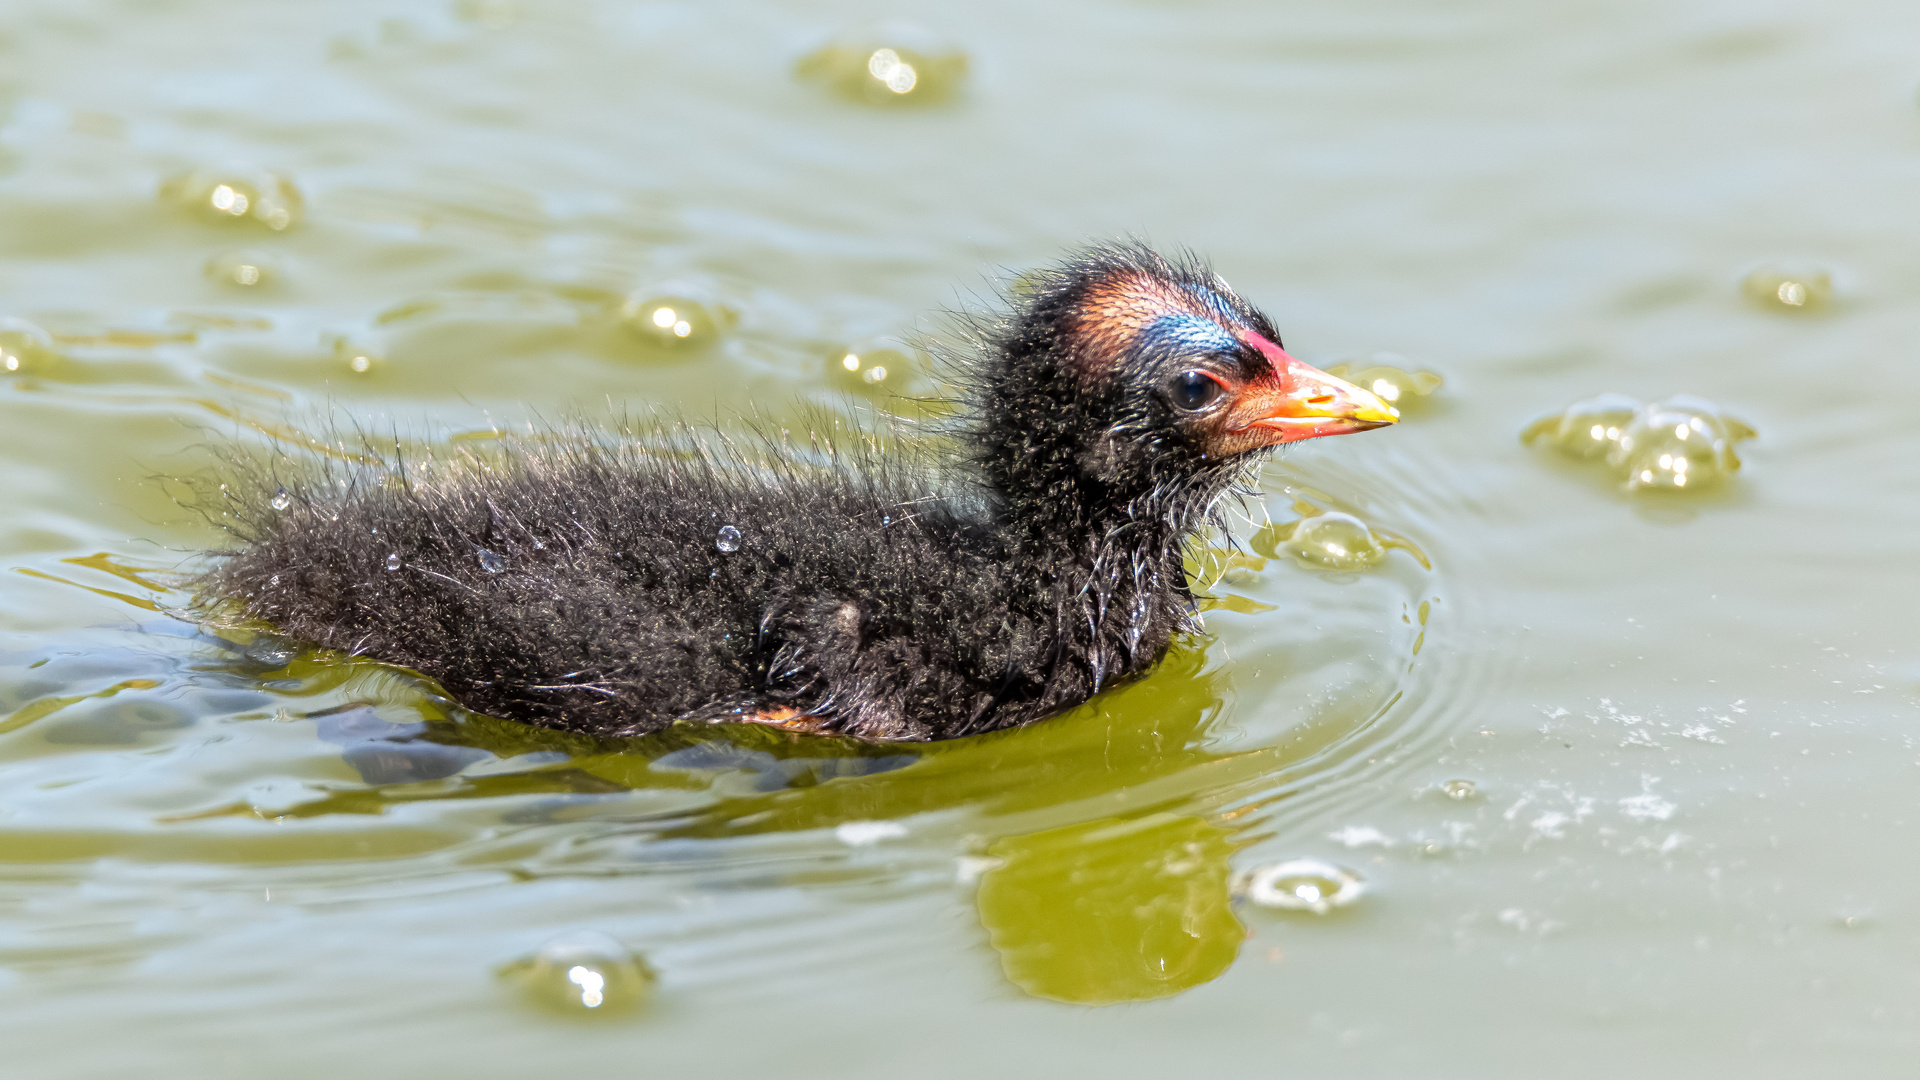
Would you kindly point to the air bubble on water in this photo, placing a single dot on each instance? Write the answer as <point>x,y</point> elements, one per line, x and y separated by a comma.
<point>1459,790</point>
<point>1331,540</point>
<point>242,270</point>
<point>1300,885</point>
<point>675,323</point>
<point>899,379</point>
<point>491,561</point>
<point>1789,288</point>
<point>728,539</point>
<point>1389,377</point>
<point>24,347</point>
<point>281,500</point>
<point>891,66</point>
<point>1586,430</point>
<point>585,973</point>
<point>393,562</point>
<point>1334,541</point>
<point>358,357</point>
<point>1680,444</point>
<point>237,195</point>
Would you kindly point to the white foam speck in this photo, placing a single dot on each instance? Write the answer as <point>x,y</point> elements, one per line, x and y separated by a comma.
<point>1647,806</point>
<point>1549,824</point>
<point>863,833</point>
<point>968,869</point>
<point>1355,836</point>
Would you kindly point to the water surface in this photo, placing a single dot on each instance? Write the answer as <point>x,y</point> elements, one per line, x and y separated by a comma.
<point>1626,774</point>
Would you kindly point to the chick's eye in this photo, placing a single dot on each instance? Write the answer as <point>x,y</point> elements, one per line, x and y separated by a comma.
<point>1194,390</point>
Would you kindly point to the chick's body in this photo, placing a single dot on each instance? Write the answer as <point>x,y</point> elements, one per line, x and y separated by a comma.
<point>616,583</point>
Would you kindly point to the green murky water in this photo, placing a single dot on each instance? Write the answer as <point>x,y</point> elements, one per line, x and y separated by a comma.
<point>1497,763</point>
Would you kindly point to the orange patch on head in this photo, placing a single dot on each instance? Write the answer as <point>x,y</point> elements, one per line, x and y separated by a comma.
<point>1117,310</point>
<point>1129,303</point>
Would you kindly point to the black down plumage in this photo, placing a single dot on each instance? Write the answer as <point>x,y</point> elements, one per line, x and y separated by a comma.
<point>615,581</point>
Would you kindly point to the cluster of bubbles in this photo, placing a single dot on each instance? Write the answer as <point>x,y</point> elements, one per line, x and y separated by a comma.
<point>672,322</point>
<point>583,973</point>
<point>24,347</point>
<point>252,197</point>
<point>1330,540</point>
<point>1299,885</point>
<point>887,70</point>
<point>1389,377</point>
<point>1682,443</point>
<point>1792,289</point>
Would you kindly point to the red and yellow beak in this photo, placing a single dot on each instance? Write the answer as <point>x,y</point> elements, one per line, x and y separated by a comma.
<point>1302,402</point>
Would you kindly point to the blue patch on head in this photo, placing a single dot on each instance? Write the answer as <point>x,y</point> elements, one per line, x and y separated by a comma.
<point>1188,334</point>
<point>1210,299</point>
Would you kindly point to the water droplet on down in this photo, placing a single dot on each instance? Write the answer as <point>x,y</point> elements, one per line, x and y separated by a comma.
<point>393,562</point>
<point>281,500</point>
<point>728,540</point>
<point>491,561</point>
<point>582,974</point>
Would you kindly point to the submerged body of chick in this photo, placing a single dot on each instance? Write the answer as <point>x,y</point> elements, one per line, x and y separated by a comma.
<point>617,584</point>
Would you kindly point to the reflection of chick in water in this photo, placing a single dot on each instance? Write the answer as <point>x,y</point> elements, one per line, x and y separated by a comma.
<point>1113,910</point>
<point>1121,908</point>
<point>1085,905</point>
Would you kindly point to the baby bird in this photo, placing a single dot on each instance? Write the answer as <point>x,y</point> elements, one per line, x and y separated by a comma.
<point>615,585</point>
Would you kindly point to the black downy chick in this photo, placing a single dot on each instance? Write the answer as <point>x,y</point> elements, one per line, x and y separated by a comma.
<point>616,585</point>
